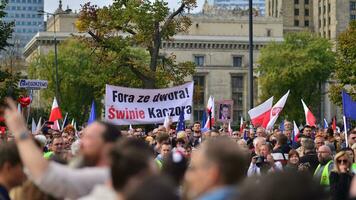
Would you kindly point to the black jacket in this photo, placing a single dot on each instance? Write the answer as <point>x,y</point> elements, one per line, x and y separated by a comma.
<point>312,159</point>
<point>340,185</point>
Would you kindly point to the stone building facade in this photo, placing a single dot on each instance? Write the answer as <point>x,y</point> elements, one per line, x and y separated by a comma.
<point>218,44</point>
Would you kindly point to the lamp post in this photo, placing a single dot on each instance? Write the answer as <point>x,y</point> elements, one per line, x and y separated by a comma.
<point>42,12</point>
<point>250,68</point>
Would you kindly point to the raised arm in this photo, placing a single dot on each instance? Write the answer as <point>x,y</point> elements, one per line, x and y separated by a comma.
<point>31,155</point>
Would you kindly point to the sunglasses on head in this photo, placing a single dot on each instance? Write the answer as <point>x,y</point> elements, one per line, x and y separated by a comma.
<point>342,161</point>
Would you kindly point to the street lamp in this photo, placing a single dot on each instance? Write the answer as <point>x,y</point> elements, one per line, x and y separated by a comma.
<point>250,68</point>
<point>42,12</point>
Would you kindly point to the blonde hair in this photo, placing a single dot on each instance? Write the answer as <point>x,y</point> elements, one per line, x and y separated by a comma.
<point>339,155</point>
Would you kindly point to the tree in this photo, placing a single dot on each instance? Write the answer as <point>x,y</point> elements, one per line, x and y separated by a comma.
<point>8,80</point>
<point>5,27</point>
<point>144,24</point>
<point>301,63</point>
<point>345,72</point>
<point>83,73</point>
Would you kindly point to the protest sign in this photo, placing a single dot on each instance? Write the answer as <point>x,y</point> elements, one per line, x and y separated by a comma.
<point>125,106</point>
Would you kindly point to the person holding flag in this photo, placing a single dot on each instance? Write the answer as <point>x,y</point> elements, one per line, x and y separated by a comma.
<point>55,115</point>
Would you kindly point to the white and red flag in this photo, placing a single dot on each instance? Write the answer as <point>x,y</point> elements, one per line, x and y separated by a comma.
<point>268,122</point>
<point>309,117</point>
<point>55,115</point>
<point>257,114</point>
<point>295,132</point>
<point>210,108</point>
<point>242,125</point>
<point>230,129</point>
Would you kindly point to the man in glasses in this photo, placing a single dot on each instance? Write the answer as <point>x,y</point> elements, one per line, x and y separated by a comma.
<point>322,172</point>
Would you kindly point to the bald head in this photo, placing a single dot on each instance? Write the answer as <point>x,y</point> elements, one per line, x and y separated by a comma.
<point>324,148</point>
<point>324,154</point>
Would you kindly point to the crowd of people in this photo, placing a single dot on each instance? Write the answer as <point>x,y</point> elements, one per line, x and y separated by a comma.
<point>103,162</point>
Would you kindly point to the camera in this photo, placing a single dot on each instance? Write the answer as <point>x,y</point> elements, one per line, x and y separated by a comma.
<point>260,161</point>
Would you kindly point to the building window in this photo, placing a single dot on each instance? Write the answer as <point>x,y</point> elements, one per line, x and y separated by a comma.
<point>198,96</point>
<point>296,22</point>
<point>199,60</point>
<point>237,61</point>
<point>237,82</point>
<point>306,23</point>
<point>353,5</point>
<point>269,32</point>
<point>329,7</point>
<point>329,34</point>
<point>296,12</point>
<point>306,12</point>
<point>319,10</point>
<point>324,22</point>
<point>324,10</point>
<point>296,1</point>
<point>306,1</point>
<point>237,95</point>
<point>329,20</point>
<point>353,17</point>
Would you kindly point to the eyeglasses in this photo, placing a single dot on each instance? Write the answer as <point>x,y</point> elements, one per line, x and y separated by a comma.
<point>342,161</point>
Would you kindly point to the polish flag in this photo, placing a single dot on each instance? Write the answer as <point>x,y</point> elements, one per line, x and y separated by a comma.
<point>257,114</point>
<point>295,132</point>
<point>309,117</point>
<point>55,115</point>
<point>333,124</point>
<point>210,108</point>
<point>274,112</point>
<point>230,129</point>
<point>242,126</point>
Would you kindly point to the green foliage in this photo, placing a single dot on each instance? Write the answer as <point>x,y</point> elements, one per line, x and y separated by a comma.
<point>143,24</point>
<point>83,73</point>
<point>8,81</point>
<point>301,63</point>
<point>345,72</point>
<point>5,28</point>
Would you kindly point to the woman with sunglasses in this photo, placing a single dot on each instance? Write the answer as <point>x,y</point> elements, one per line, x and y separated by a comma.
<point>341,176</point>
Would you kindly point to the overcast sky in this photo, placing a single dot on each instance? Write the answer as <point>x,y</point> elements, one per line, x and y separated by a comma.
<point>51,5</point>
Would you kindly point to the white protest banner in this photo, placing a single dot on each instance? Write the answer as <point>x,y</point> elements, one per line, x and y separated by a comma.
<point>125,106</point>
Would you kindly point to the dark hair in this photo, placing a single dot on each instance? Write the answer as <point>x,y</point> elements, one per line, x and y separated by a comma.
<point>230,159</point>
<point>162,137</point>
<point>174,166</point>
<point>293,152</point>
<point>153,188</point>
<point>330,132</point>
<point>9,154</point>
<point>111,132</point>
<point>197,122</point>
<point>129,157</point>
<point>282,139</point>
<point>307,126</point>
<point>166,143</point>
<point>279,186</point>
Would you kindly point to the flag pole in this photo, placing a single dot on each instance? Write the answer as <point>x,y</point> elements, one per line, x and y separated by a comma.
<point>345,129</point>
<point>210,119</point>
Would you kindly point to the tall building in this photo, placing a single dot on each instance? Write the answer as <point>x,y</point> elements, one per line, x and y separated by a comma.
<point>27,21</point>
<point>243,4</point>
<point>328,18</point>
<point>331,17</point>
<point>297,14</point>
